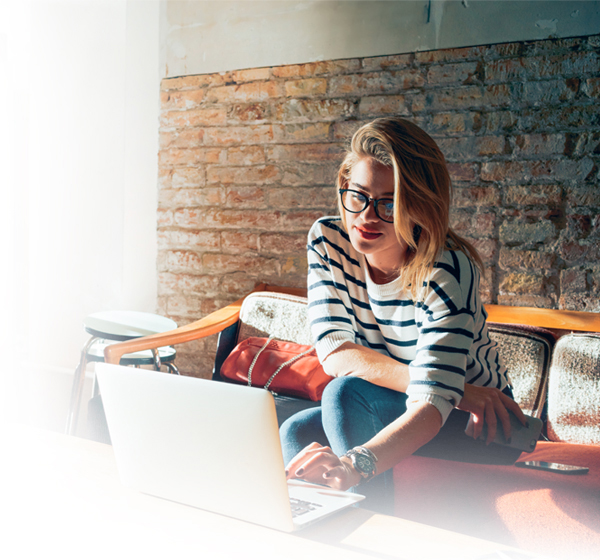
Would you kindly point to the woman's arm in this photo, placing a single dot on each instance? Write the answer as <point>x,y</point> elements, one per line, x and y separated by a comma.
<point>359,361</point>
<point>400,439</point>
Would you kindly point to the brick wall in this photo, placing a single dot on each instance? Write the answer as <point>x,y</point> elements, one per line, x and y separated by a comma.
<point>248,158</point>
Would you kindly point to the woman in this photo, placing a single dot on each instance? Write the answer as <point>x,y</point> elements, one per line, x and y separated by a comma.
<point>397,320</point>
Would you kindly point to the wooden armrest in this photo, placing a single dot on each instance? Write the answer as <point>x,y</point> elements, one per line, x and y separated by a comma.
<point>211,324</point>
<point>547,318</point>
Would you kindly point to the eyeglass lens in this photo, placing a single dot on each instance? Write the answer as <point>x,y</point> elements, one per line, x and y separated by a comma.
<point>356,202</point>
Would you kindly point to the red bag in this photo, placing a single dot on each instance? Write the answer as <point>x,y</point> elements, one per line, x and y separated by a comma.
<point>282,367</point>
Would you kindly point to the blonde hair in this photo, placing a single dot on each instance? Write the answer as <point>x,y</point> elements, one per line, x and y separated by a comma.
<point>422,191</point>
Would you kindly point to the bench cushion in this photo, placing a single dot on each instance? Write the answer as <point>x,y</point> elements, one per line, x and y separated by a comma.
<point>542,512</point>
<point>574,390</point>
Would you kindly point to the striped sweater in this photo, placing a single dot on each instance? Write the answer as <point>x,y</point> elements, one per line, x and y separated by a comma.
<point>443,339</point>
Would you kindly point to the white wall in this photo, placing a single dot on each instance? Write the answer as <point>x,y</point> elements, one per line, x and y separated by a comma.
<point>79,171</point>
<point>212,36</point>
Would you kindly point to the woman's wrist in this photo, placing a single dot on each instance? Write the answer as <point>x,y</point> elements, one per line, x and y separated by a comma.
<point>353,477</point>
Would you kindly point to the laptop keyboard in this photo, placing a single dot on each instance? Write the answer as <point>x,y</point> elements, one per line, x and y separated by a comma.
<point>299,507</point>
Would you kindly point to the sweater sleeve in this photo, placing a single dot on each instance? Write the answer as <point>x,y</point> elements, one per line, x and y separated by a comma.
<point>445,320</point>
<point>330,318</point>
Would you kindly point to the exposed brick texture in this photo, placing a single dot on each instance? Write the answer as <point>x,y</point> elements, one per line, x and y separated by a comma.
<point>248,160</point>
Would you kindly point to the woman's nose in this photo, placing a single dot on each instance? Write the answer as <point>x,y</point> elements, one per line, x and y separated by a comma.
<point>369,214</point>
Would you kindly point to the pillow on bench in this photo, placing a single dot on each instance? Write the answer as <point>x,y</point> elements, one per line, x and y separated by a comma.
<point>526,351</point>
<point>574,390</point>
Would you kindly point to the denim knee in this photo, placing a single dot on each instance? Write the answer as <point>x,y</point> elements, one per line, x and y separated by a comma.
<point>342,390</point>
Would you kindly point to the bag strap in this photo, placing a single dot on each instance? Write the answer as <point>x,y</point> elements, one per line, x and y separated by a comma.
<point>290,361</point>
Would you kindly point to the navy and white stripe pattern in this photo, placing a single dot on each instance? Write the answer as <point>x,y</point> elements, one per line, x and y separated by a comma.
<point>443,339</point>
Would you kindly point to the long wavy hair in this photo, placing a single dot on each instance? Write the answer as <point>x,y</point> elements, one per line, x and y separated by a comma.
<point>422,192</point>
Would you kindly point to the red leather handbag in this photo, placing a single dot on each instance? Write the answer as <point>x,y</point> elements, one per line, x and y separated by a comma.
<point>281,367</point>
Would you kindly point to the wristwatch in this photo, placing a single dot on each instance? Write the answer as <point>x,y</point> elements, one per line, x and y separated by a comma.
<point>363,461</point>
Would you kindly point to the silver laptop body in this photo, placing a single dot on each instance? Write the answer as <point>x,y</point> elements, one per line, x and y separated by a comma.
<point>206,444</point>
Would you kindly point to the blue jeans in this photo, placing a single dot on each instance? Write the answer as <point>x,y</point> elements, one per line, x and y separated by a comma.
<point>353,410</point>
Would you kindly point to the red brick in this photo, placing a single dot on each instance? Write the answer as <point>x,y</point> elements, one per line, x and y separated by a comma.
<point>302,174</point>
<point>246,197</point>
<point>188,306</point>
<point>309,132</point>
<point>236,242</point>
<point>238,219</point>
<point>311,110</point>
<point>539,144</point>
<point>182,99</point>
<point>179,261</point>
<point>463,97</point>
<point>164,218</point>
<point>179,198</point>
<point>298,197</point>
<point>252,91</point>
<point>181,138</point>
<point>346,129</point>
<point>387,62</point>
<point>193,118</point>
<point>251,75</point>
<point>188,239</point>
<point>523,283</point>
<point>220,136</point>
<point>223,264</point>
<point>383,105</point>
<point>571,64</point>
<point>300,221</point>
<point>184,177</point>
<point>306,88</point>
<point>580,302</point>
<point>454,123</point>
<point>573,280</point>
<point>245,155</point>
<point>305,152</point>
<point>592,87</point>
<point>524,260</point>
<point>499,95</point>
<point>528,300</point>
<point>444,74</point>
<point>475,226</point>
<point>187,284</point>
<point>282,244</point>
<point>238,283</point>
<point>487,249</point>
<point>188,217</point>
<point>462,171</point>
<point>447,55</point>
<point>195,81</point>
<point>188,156</point>
<point>254,175</point>
<point>316,68</point>
<point>505,70</point>
<point>375,82</point>
<point>249,112</point>
<point>545,195</point>
<point>498,121</point>
<point>464,197</point>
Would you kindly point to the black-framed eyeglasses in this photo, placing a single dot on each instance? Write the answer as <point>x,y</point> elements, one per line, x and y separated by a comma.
<point>356,202</point>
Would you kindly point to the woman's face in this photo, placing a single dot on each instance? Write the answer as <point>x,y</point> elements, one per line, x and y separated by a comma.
<point>370,235</point>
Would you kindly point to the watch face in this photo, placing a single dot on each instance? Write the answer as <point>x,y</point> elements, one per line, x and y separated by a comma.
<point>364,464</point>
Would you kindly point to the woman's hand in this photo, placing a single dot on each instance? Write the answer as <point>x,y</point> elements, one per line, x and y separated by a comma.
<point>487,406</point>
<point>321,465</point>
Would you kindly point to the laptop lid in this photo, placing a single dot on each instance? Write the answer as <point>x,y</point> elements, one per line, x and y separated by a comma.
<point>203,443</point>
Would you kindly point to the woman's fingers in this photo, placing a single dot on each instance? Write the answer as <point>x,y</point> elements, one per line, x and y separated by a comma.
<point>489,407</point>
<point>312,463</point>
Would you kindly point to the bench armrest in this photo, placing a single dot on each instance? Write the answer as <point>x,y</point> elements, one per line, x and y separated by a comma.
<point>209,325</point>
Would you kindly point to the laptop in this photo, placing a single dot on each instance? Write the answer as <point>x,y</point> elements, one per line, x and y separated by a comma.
<point>207,444</point>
